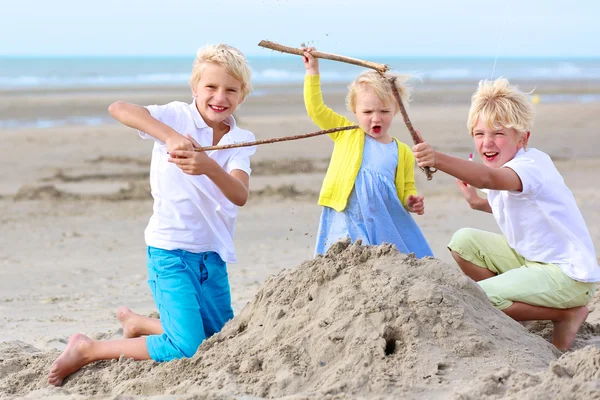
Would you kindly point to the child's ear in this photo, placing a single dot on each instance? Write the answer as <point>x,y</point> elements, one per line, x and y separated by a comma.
<point>525,139</point>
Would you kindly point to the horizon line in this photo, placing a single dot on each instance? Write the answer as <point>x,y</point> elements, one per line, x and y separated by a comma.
<point>255,55</point>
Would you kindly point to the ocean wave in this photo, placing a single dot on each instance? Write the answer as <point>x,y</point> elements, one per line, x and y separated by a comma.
<point>27,82</point>
<point>433,71</point>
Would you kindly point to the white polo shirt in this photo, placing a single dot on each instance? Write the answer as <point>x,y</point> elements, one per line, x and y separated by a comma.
<point>543,223</point>
<point>190,211</point>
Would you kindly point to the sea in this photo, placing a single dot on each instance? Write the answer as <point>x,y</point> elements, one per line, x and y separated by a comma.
<point>48,74</point>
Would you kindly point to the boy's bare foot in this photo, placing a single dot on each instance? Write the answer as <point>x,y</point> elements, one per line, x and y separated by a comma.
<point>127,319</point>
<point>71,360</point>
<point>563,334</point>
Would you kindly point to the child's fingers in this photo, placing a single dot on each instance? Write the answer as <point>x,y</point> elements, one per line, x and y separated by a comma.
<point>418,132</point>
<point>181,154</point>
<point>178,161</point>
<point>420,147</point>
<point>194,143</point>
<point>461,184</point>
<point>419,207</point>
<point>425,162</point>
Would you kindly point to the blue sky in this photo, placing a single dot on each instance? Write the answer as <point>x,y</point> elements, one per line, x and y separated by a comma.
<point>349,27</point>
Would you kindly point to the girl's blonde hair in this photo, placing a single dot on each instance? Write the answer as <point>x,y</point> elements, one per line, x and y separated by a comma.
<point>381,86</point>
<point>501,104</point>
<point>229,58</point>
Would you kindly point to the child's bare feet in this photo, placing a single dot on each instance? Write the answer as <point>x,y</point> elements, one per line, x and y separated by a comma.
<point>563,334</point>
<point>71,360</point>
<point>127,319</point>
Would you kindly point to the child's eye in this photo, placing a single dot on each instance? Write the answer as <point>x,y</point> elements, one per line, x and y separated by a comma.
<point>210,86</point>
<point>232,90</point>
<point>500,133</point>
<point>367,112</point>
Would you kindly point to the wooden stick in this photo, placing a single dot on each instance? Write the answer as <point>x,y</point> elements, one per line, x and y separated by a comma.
<point>292,50</point>
<point>275,140</point>
<point>415,137</point>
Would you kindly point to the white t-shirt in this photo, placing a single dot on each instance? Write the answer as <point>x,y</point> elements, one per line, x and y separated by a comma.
<point>543,223</point>
<point>190,211</point>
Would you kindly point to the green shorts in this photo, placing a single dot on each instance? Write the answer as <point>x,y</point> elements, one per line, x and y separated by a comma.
<point>518,279</point>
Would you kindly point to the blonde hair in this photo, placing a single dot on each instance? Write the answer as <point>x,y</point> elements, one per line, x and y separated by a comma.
<point>381,86</point>
<point>229,58</point>
<point>499,103</point>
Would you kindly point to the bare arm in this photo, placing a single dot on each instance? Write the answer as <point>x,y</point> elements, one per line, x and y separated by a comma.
<point>234,185</point>
<point>481,205</point>
<point>478,175</point>
<point>138,117</point>
<point>470,194</point>
<point>474,174</point>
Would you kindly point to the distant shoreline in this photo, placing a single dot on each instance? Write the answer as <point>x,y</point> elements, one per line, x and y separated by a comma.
<point>44,108</point>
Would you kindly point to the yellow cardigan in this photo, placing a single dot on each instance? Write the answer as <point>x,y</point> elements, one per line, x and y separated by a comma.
<point>347,153</point>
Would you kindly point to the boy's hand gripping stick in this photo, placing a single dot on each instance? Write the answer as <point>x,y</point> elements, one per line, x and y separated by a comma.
<point>429,171</point>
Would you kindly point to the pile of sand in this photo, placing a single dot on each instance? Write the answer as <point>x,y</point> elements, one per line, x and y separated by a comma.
<point>575,375</point>
<point>358,322</point>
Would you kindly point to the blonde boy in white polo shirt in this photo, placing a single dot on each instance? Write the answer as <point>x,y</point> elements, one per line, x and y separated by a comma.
<point>544,266</point>
<point>190,233</point>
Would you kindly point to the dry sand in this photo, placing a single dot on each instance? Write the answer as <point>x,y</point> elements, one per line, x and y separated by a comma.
<point>358,323</point>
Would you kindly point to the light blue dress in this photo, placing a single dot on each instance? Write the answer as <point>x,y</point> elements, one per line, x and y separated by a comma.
<point>374,212</point>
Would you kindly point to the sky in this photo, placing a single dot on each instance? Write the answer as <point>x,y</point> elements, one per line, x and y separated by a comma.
<point>427,28</point>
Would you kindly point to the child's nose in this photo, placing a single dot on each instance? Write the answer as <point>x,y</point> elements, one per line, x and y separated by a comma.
<point>220,95</point>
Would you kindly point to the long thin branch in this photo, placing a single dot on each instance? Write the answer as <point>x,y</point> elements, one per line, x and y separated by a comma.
<point>275,140</point>
<point>349,60</point>
<point>415,137</point>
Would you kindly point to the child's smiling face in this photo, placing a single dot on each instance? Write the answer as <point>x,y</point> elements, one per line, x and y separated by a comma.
<point>217,94</point>
<point>374,116</point>
<point>496,146</point>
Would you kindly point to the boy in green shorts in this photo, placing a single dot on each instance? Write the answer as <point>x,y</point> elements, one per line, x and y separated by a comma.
<point>544,266</point>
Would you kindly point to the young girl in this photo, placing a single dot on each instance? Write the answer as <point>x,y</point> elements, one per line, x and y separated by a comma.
<point>190,234</point>
<point>369,187</point>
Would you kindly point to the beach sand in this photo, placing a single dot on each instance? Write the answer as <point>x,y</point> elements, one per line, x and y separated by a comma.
<point>74,202</point>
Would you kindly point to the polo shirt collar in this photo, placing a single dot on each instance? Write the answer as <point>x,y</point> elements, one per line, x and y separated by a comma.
<point>200,123</point>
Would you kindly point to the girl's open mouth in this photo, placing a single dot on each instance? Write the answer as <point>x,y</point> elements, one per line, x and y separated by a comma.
<point>376,129</point>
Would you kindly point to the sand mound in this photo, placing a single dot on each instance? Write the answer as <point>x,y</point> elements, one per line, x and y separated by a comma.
<point>575,375</point>
<point>358,322</point>
<point>588,333</point>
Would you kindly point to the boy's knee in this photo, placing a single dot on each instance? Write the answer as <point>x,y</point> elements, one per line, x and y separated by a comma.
<point>166,348</point>
<point>462,238</point>
<point>188,346</point>
<point>495,296</point>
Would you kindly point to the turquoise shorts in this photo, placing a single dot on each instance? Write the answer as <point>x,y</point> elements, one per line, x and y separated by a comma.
<point>518,279</point>
<point>191,291</point>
